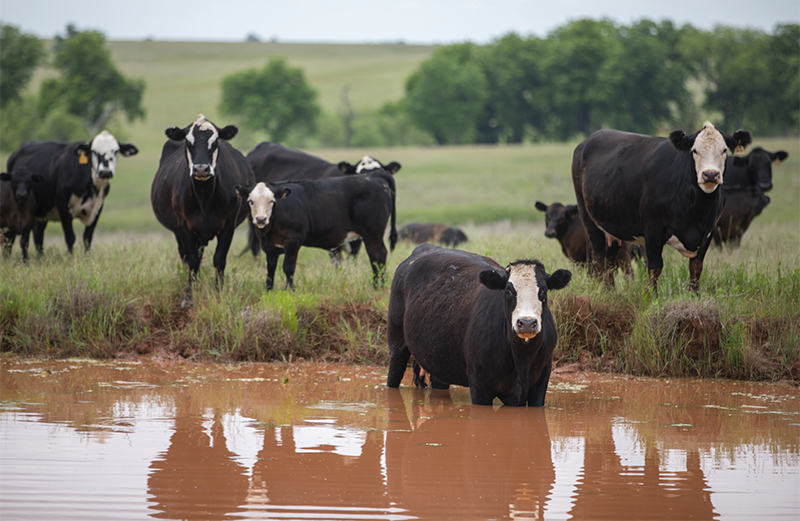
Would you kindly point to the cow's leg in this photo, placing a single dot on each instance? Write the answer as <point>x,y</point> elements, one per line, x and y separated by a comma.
<point>8,242</point>
<point>224,240</point>
<point>539,389</point>
<point>272,264</point>
<point>38,235</point>
<point>399,353</point>
<point>376,251</point>
<point>190,254</point>
<point>66,225</point>
<point>398,361</point>
<point>24,237</point>
<point>355,246</point>
<point>88,232</point>
<point>290,251</point>
<point>480,393</point>
<point>653,247</point>
<point>696,267</point>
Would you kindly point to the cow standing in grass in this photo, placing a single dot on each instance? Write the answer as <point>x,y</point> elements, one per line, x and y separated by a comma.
<point>652,191</point>
<point>193,192</point>
<point>75,182</point>
<point>17,209</point>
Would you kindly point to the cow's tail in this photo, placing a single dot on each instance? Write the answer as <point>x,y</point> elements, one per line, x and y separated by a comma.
<point>393,231</point>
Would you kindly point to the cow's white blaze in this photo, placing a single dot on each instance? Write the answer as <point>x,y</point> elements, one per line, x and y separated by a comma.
<point>105,149</point>
<point>523,277</point>
<point>199,125</point>
<point>367,163</point>
<point>709,153</point>
<point>261,200</point>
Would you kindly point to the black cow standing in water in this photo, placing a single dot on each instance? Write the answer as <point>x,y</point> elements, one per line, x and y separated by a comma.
<point>467,321</point>
<point>193,192</point>
<point>652,190</point>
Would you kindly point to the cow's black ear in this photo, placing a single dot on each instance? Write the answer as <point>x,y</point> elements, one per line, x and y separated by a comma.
<point>347,168</point>
<point>738,141</point>
<point>681,141</point>
<point>240,191</point>
<point>493,279</point>
<point>392,167</point>
<point>541,206</point>
<point>777,157</point>
<point>5,177</point>
<point>282,193</point>
<point>572,211</point>
<point>83,147</point>
<point>740,161</point>
<point>559,279</point>
<point>126,149</point>
<point>228,132</point>
<point>175,133</point>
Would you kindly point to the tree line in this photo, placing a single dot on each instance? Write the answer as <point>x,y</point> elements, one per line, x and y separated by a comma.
<point>647,77</point>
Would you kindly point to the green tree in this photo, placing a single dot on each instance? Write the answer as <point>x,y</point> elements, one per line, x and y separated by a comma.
<point>275,99</point>
<point>644,80</point>
<point>447,93</point>
<point>783,66</point>
<point>20,54</point>
<point>90,86</point>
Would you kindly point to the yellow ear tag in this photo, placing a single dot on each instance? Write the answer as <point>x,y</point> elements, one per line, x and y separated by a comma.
<point>82,159</point>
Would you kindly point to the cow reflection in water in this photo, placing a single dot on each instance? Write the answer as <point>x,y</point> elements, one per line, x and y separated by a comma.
<point>451,461</point>
<point>197,477</point>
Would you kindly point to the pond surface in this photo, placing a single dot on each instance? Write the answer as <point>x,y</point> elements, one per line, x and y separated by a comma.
<point>113,440</point>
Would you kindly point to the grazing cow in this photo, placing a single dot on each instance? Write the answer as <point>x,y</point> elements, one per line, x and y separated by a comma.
<point>469,322</point>
<point>193,192</point>
<point>322,213</point>
<point>742,205</point>
<point>273,163</point>
<point>17,208</point>
<point>432,233</point>
<point>76,182</point>
<point>652,190</point>
<point>564,224</point>
<point>754,169</point>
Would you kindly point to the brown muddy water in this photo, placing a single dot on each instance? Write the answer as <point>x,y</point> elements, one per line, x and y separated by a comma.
<point>113,440</point>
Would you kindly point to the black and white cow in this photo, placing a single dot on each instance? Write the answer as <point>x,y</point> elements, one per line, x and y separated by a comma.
<point>273,163</point>
<point>652,190</point>
<point>467,321</point>
<point>433,233</point>
<point>322,213</point>
<point>193,192</point>
<point>75,182</point>
<point>17,208</point>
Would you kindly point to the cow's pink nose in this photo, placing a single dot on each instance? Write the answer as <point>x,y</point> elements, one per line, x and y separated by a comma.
<point>711,176</point>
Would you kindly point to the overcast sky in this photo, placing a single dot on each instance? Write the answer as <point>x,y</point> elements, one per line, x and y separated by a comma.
<point>359,21</point>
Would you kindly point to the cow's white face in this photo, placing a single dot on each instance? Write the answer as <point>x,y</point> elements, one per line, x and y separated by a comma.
<point>202,148</point>
<point>530,291</point>
<point>261,201</point>
<point>709,153</point>
<point>105,150</point>
<point>367,164</point>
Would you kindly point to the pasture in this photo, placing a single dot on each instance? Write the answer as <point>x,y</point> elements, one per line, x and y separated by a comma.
<point>123,298</point>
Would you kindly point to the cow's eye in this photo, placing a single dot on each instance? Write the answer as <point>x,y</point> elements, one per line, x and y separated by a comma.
<point>694,151</point>
<point>250,201</point>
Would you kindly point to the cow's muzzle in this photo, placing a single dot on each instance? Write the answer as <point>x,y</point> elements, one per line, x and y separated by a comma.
<point>105,174</point>
<point>260,221</point>
<point>550,234</point>
<point>527,327</point>
<point>712,177</point>
<point>202,172</point>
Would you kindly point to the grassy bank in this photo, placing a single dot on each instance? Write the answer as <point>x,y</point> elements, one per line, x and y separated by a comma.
<point>123,299</point>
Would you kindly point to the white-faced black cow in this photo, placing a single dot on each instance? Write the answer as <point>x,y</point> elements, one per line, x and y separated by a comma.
<point>469,322</point>
<point>652,190</point>
<point>75,182</point>
<point>746,180</point>
<point>563,223</point>
<point>322,213</point>
<point>17,208</point>
<point>273,163</point>
<point>432,233</point>
<point>193,192</point>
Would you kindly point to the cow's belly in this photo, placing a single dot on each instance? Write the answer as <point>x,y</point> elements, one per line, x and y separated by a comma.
<point>86,210</point>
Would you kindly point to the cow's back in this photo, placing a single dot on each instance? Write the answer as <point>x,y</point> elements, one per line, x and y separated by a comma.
<point>45,158</point>
<point>434,296</point>
<point>273,163</point>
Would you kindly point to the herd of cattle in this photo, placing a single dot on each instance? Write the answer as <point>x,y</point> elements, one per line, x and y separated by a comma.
<point>463,318</point>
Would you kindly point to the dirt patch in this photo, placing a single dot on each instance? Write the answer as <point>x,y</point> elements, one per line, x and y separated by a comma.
<point>588,325</point>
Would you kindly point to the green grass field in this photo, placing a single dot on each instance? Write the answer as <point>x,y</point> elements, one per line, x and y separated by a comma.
<point>123,297</point>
